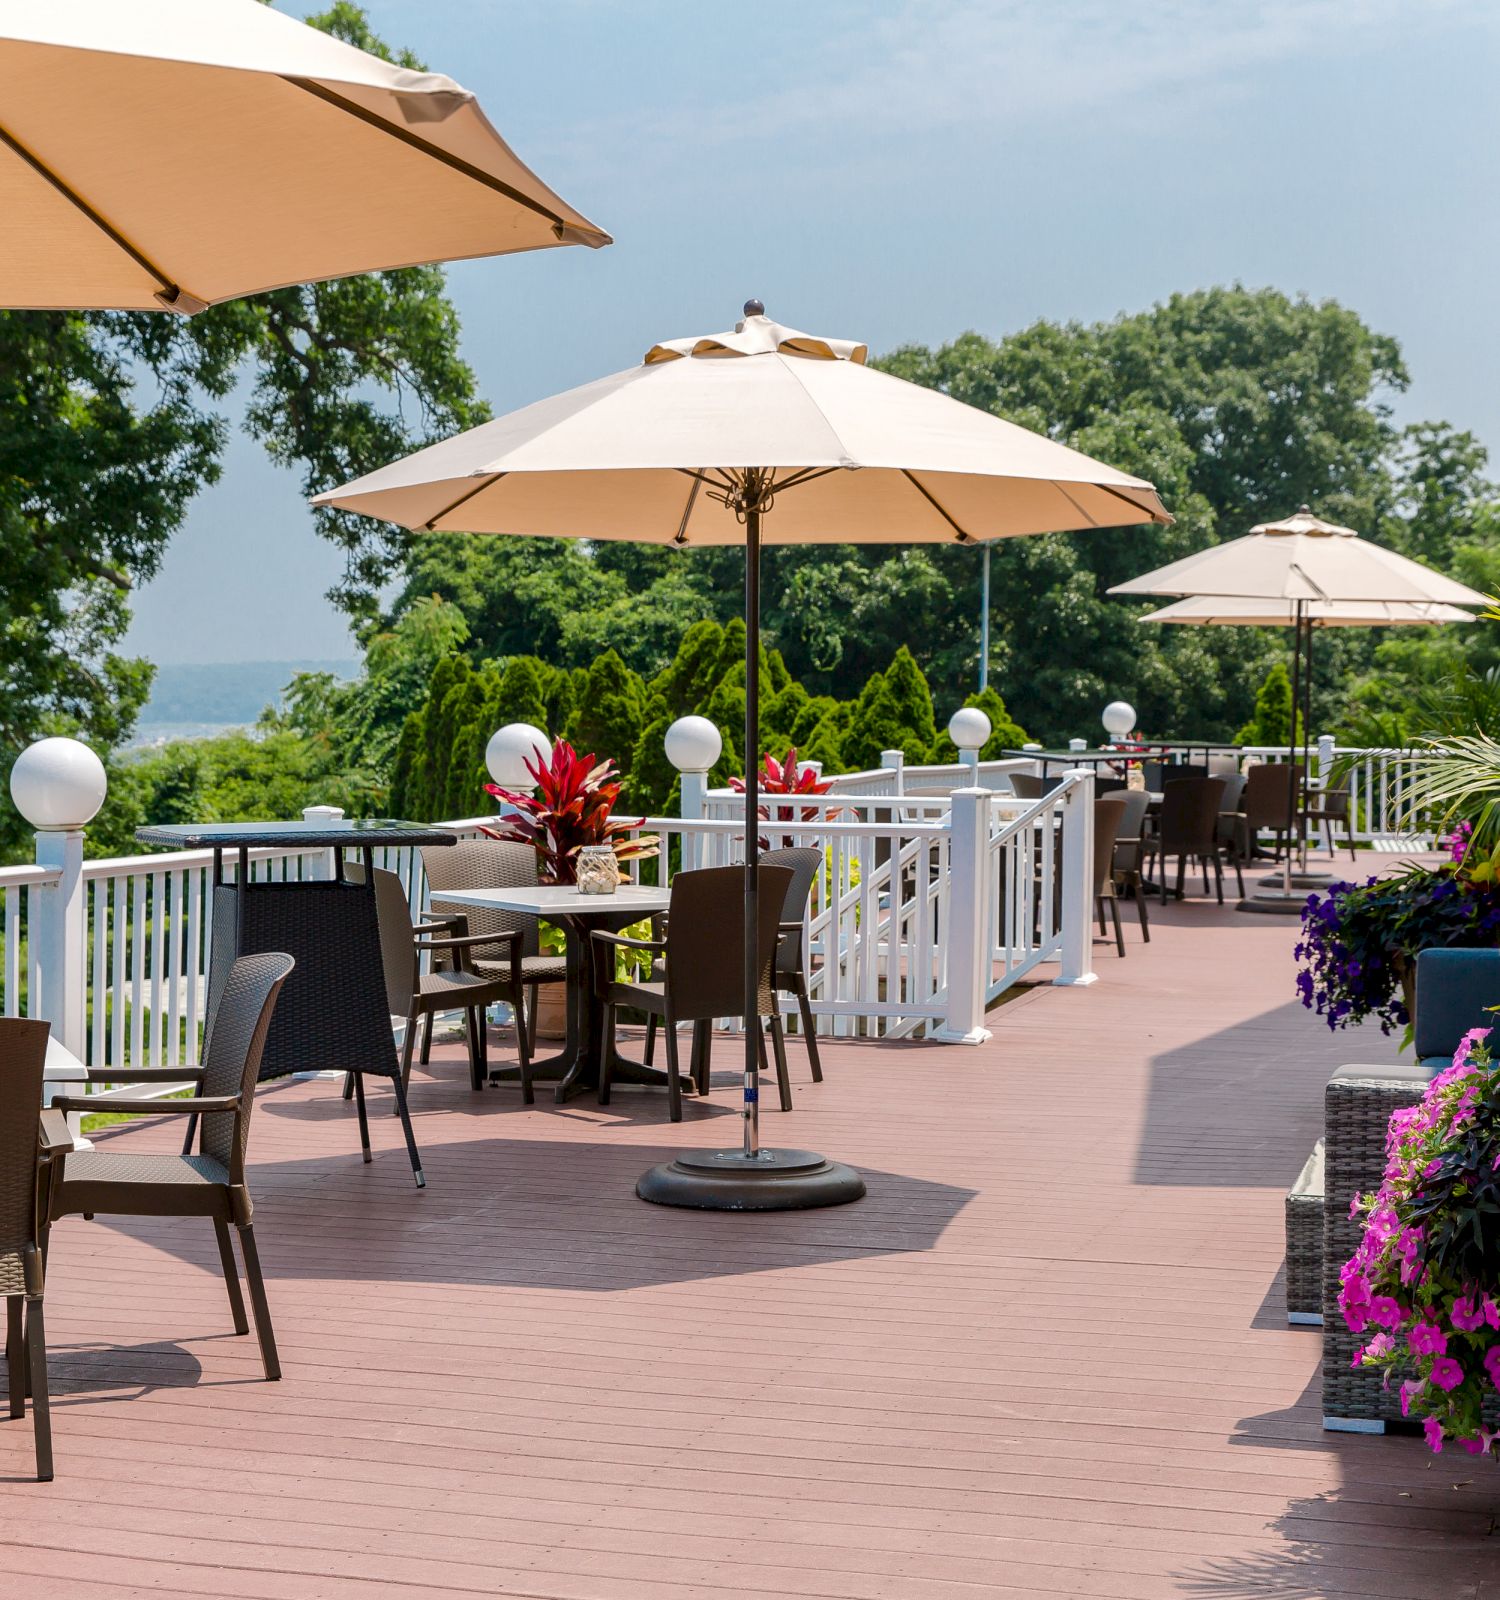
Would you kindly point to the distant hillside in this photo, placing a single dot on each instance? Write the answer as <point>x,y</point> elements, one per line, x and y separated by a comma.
<point>226,693</point>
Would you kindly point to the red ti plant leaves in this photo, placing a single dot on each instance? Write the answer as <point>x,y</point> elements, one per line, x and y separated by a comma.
<point>571,808</point>
<point>786,777</point>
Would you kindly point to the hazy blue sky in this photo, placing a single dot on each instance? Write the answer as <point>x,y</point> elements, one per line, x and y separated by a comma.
<point>904,171</point>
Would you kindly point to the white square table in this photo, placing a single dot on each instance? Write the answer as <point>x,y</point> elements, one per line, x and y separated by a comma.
<point>578,1067</point>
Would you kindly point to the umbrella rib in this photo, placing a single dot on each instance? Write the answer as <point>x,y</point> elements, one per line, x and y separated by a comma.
<point>431,525</point>
<point>171,294</point>
<point>963,537</point>
<point>457,163</point>
<point>804,475</point>
<point>1148,516</point>
<point>680,537</point>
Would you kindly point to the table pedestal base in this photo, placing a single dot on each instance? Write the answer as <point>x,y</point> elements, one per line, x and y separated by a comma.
<point>771,1180</point>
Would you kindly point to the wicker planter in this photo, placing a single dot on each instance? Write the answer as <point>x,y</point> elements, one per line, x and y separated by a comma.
<point>1304,1243</point>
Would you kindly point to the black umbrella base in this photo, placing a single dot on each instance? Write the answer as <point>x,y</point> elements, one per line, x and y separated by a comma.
<point>1275,902</point>
<point>1300,880</point>
<point>771,1180</point>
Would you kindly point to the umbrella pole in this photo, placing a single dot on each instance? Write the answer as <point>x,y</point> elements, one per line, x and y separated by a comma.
<point>752,839</point>
<point>751,1178</point>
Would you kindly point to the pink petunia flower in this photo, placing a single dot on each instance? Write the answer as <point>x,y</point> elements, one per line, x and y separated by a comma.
<point>1466,1316</point>
<point>1427,1339</point>
<point>1447,1374</point>
<point>1434,1431</point>
<point>1409,1392</point>
<point>1386,1311</point>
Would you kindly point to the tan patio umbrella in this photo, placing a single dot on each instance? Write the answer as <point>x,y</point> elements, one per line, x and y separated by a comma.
<point>1301,572</point>
<point>760,435</point>
<point>176,153</point>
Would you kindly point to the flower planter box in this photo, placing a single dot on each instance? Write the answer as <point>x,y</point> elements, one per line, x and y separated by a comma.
<point>1304,1243</point>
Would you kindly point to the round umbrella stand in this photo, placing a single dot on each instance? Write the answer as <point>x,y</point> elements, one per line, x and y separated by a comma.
<point>1275,902</point>
<point>768,1180</point>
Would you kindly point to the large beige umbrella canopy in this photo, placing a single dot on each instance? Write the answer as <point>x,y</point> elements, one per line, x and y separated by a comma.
<point>176,153</point>
<point>664,453</point>
<point>762,434</point>
<point>1302,558</point>
<point>1209,611</point>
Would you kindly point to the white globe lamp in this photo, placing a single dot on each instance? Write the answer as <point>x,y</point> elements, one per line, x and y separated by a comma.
<point>693,744</point>
<point>969,728</point>
<point>508,751</point>
<point>1119,719</point>
<point>58,785</point>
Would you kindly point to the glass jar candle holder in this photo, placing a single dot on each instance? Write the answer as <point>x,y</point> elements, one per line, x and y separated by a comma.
<point>596,871</point>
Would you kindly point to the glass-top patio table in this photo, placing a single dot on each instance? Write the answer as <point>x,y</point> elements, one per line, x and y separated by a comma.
<point>577,1068</point>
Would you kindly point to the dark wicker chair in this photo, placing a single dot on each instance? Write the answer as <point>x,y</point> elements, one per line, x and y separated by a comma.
<point>788,972</point>
<point>27,1171</point>
<point>702,972</point>
<point>1328,809</point>
<point>1028,786</point>
<point>455,986</point>
<point>495,864</point>
<point>1269,803</point>
<point>211,1182</point>
<point>1188,829</point>
<point>1109,812</point>
<point>1130,849</point>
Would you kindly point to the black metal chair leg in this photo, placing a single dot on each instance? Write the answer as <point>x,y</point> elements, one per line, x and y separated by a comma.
<point>531,1018</point>
<point>364,1116</point>
<point>650,1038</point>
<point>1114,911</point>
<point>231,1276</point>
<point>674,1087</point>
<point>404,1113</point>
<point>408,1042</point>
<point>427,1022</point>
<point>41,1412</point>
<point>188,1137</point>
<point>264,1333</point>
<point>1140,909</point>
<point>15,1356</point>
<point>348,1085</point>
<point>778,1049</point>
<point>1218,880</point>
<point>809,1034</point>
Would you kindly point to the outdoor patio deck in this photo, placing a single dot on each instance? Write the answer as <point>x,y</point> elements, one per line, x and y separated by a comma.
<point>1047,1356</point>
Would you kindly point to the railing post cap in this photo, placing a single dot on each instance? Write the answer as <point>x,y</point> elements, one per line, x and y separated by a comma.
<point>969,728</point>
<point>508,751</point>
<point>693,744</point>
<point>58,784</point>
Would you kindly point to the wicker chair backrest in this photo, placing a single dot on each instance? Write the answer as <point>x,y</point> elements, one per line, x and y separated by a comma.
<point>1133,815</point>
<point>23,1055</point>
<point>706,938</point>
<point>1234,789</point>
<point>1271,792</point>
<point>1030,787</point>
<point>1109,811</point>
<point>487,864</point>
<point>804,865</point>
<point>232,1064</point>
<point>1190,815</point>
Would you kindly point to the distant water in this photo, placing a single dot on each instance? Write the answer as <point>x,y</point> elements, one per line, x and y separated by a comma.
<point>201,700</point>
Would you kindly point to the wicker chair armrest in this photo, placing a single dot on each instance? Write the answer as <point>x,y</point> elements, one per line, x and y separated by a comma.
<point>457,925</point>
<point>467,941</point>
<point>147,1108</point>
<point>629,944</point>
<point>54,1132</point>
<point>789,927</point>
<point>145,1075</point>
